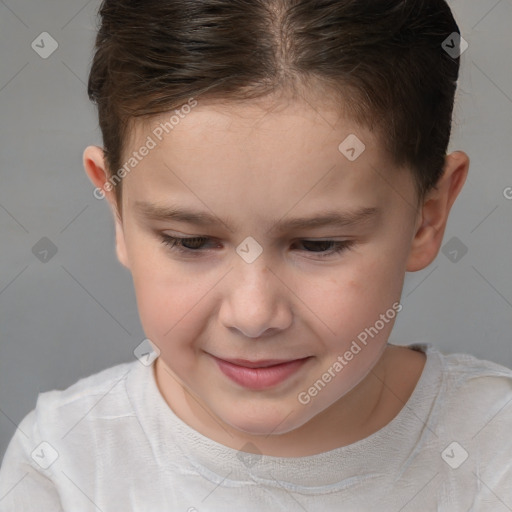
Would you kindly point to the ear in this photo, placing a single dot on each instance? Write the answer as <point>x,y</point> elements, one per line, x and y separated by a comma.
<point>96,169</point>
<point>432,219</point>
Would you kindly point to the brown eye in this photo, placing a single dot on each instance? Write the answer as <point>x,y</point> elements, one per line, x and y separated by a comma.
<point>184,244</point>
<point>327,247</point>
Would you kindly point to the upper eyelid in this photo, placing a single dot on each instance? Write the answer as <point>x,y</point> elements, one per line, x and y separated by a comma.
<point>208,237</point>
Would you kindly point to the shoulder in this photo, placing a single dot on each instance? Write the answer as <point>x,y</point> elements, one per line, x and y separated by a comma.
<point>91,385</point>
<point>475,421</point>
<point>465,371</point>
<point>464,391</point>
<point>66,425</point>
<point>474,396</point>
<point>97,396</point>
<point>460,371</point>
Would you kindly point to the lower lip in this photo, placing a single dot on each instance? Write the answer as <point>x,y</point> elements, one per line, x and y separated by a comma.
<point>260,378</point>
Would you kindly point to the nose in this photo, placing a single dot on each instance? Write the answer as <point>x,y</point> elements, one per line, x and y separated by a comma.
<point>255,302</point>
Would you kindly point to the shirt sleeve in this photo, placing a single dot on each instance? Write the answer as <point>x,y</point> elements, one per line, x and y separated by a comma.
<point>26,485</point>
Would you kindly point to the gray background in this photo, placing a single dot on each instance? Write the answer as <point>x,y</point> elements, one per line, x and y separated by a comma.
<point>75,314</point>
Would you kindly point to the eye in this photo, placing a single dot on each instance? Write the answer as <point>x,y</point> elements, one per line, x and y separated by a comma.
<point>193,246</point>
<point>335,246</point>
<point>184,245</point>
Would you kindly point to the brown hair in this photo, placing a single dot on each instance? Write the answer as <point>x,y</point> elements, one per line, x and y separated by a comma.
<point>382,60</point>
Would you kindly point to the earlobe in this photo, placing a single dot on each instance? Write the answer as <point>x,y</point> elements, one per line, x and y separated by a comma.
<point>429,231</point>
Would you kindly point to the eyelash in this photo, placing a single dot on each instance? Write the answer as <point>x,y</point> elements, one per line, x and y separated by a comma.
<point>175,244</point>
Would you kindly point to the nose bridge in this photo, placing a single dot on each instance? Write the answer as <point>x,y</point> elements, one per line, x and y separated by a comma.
<point>253,276</point>
<point>254,302</point>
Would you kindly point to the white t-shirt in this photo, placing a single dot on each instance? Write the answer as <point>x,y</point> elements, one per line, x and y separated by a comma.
<point>111,443</point>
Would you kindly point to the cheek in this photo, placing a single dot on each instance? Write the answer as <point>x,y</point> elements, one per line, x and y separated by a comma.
<point>165,308</point>
<point>166,298</point>
<point>170,320</point>
<point>354,300</point>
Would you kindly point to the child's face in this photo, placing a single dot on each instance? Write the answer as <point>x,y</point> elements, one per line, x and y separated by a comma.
<point>253,170</point>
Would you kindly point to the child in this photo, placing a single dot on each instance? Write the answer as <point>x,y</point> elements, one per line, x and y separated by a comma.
<point>274,168</point>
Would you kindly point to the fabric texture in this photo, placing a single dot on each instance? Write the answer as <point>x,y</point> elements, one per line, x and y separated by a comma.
<point>111,443</point>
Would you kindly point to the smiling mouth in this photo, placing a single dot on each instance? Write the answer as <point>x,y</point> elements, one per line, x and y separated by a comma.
<point>261,374</point>
<point>260,363</point>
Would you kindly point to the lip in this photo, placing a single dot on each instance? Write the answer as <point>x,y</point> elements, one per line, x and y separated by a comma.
<point>262,374</point>
<point>262,363</point>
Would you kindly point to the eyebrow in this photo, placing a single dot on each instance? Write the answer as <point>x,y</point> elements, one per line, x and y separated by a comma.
<point>322,219</point>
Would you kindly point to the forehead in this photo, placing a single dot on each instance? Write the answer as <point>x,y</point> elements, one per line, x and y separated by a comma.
<point>263,129</point>
<point>278,147</point>
<point>309,117</point>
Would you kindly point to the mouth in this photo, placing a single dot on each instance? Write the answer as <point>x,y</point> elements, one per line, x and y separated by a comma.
<point>260,374</point>
<point>262,363</point>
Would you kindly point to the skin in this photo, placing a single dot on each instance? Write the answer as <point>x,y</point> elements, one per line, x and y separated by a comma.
<point>252,165</point>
